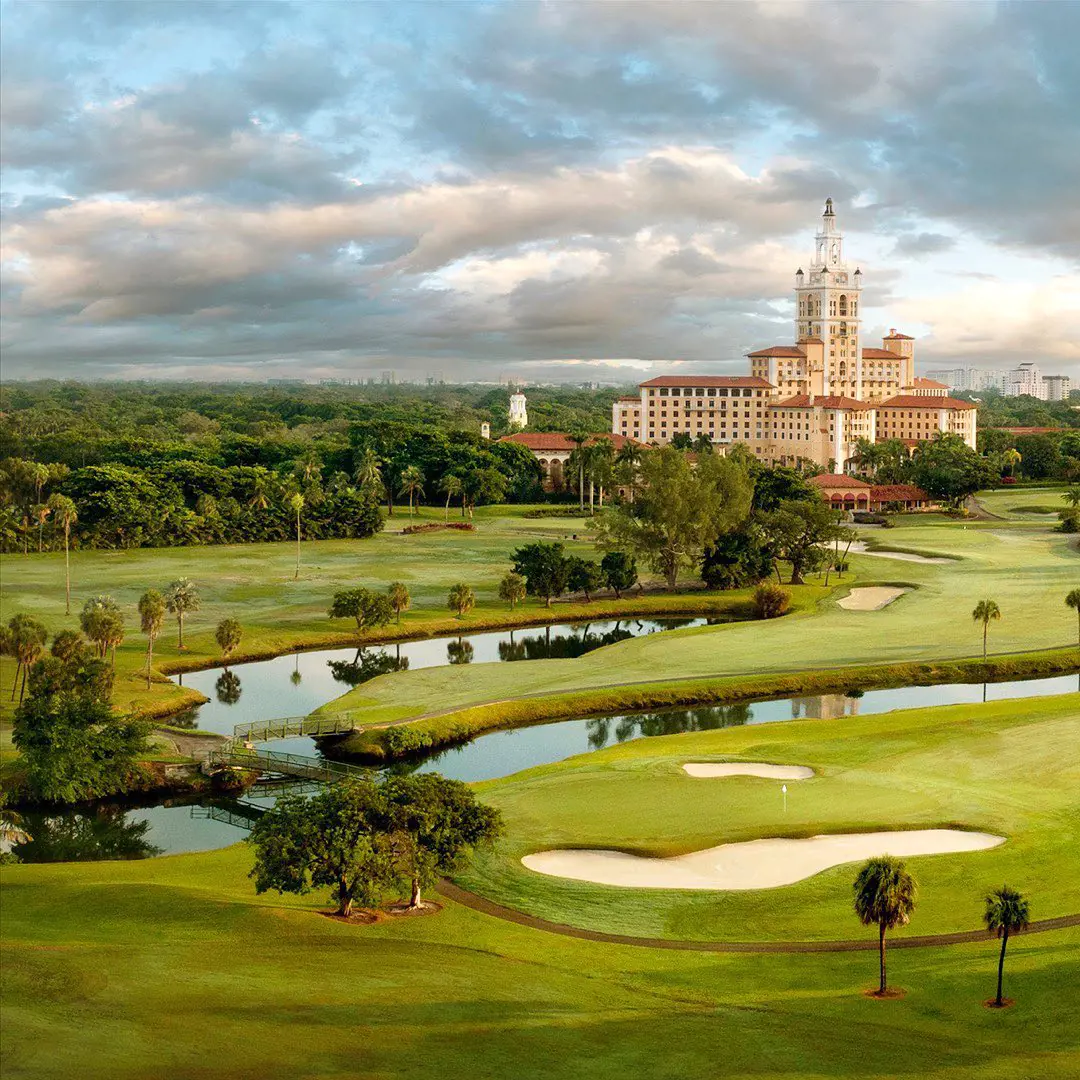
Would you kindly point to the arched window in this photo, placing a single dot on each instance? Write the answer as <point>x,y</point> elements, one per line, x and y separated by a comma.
<point>843,305</point>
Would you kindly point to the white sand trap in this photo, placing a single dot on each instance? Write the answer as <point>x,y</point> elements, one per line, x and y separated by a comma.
<point>860,548</point>
<point>748,768</point>
<point>754,864</point>
<point>870,598</point>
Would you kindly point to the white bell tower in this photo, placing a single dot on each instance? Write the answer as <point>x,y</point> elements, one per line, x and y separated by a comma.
<point>519,416</point>
<point>827,308</point>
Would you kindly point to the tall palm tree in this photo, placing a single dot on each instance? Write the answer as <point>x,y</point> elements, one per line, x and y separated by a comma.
<point>25,639</point>
<point>985,610</point>
<point>296,504</point>
<point>41,512</point>
<point>1011,458</point>
<point>412,484</point>
<point>181,596</point>
<point>64,511</point>
<point>452,485</point>
<point>884,895</point>
<point>1006,912</point>
<point>102,622</point>
<point>1073,601</point>
<point>260,492</point>
<point>601,467</point>
<point>398,592</point>
<point>627,463</point>
<point>152,618</point>
<point>577,461</point>
<point>368,473</point>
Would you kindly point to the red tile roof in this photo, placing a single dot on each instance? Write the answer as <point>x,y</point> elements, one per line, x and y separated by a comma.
<point>779,350</point>
<point>634,398</point>
<point>913,401</point>
<point>898,493</point>
<point>837,480</point>
<point>559,440</point>
<point>710,380</point>
<point>930,384</point>
<point>1031,430</point>
<point>880,354</point>
<point>894,336</point>
<point>827,401</point>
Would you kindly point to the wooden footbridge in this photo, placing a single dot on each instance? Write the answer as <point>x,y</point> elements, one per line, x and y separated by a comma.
<point>270,763</point>
<point>291,727</point>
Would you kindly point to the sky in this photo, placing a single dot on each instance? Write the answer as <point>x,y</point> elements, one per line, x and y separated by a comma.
<point>551,191</point>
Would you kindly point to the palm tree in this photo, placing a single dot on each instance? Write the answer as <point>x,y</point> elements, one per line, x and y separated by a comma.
<point>25,639</point>
<point>228,635</point>
<point>577,461</point>
<point>64,510</point>
<point>512,589</point>
<point>884,895</point>
<point>453,487</point>
<point>461,599</point>
<point>103,623</point>
<point>601,467</point>
<point>181,597</point>
<point>399,598</point>
<point>412,484</point>
<point>368,473</point>
<point>41,512</point>
<point>1073,601</point>
<point>1072,496</point>
<point>627,463</point>
<point>296,504</point>
<point>985,610</point>
<point>1006,912</point>
<point>12,832</point>
<point>1011,459</point>
<point>152,618</point>
<point>260,493</point>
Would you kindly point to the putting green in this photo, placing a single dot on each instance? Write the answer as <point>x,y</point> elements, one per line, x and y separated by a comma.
<point>983,768</point>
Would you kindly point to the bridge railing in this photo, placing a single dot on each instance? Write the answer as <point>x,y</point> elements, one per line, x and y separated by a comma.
<point>288,727</point>
<point>268,761</point>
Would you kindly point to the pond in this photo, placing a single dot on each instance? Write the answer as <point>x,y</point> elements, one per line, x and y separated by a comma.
<point>124,831</point>
<point>298,683</point>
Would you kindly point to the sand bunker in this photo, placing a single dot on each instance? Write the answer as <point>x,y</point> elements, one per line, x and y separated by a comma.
<point>871,598</point>
<point>754,864</point>
<point>858,547</point>
<point>748,768</point>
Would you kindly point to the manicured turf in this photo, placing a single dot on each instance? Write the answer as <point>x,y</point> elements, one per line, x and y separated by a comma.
<point>174,968</point>
<point>982,767</point>
<point>1027,570</point>
<point>1021,503</point>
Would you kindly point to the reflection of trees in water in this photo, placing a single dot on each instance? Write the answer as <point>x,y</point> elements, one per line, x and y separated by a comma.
<point>559,646</point>
<point>100,832</point>
<point>459,652</point>
<point>669,722</point>
<point>227,688</point>
<point>366,665</point>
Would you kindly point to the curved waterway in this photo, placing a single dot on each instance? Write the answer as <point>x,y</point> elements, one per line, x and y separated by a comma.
<point>124,831</point>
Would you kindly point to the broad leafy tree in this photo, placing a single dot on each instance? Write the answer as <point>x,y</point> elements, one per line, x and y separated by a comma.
<point>435,823</point>
<point>72,745</point>
<point>948,470</point>
<point>337,839</point>
<point>151,619</point>
<point>585,576</point>
<point>986,611</point>
<point>370,609</point>
<point>1072,600</point>
<point>798,531</point>
<point>885,895</point>
<point>181,598</point>
<point>619,571</point>
<point>545,568</point>
<point>680,510</point>
<point>1006,913</point>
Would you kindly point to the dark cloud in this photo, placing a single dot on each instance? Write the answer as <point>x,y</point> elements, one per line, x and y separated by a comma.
<point>212,186</point>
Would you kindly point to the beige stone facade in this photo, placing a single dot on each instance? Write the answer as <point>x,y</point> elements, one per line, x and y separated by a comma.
<point>812,400</point>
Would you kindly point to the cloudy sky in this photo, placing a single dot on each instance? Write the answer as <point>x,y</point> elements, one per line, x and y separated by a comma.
<point>539,191</point>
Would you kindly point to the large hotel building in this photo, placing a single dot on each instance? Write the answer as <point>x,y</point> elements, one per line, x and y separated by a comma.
<point>812,400</point>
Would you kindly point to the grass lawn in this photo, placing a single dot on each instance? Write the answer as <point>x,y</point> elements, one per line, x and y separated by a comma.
<point>1010,768</point>
<point>1027,570</point>
<point>173,967</point>
<point>1025,503</point>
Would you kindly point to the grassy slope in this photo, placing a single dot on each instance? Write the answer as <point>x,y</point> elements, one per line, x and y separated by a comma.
<point>1005,501</point>
<point>983,767</point>
<point>1028,571</point>
<point>172,967</point>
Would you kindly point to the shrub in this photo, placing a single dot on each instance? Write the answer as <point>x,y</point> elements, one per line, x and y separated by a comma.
<point>1070,521</point>
<point>771,601</point>
<point>435,526</point>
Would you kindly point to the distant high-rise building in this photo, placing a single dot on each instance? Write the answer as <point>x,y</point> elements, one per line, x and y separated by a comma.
<point>1057,387</point>
<point>971,379</point>
<point>1026,380</point>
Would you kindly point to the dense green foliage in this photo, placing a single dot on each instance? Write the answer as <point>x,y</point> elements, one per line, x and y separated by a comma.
<point>72,745</point>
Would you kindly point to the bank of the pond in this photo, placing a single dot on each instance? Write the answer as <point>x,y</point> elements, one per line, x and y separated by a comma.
<point>407,738</point>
